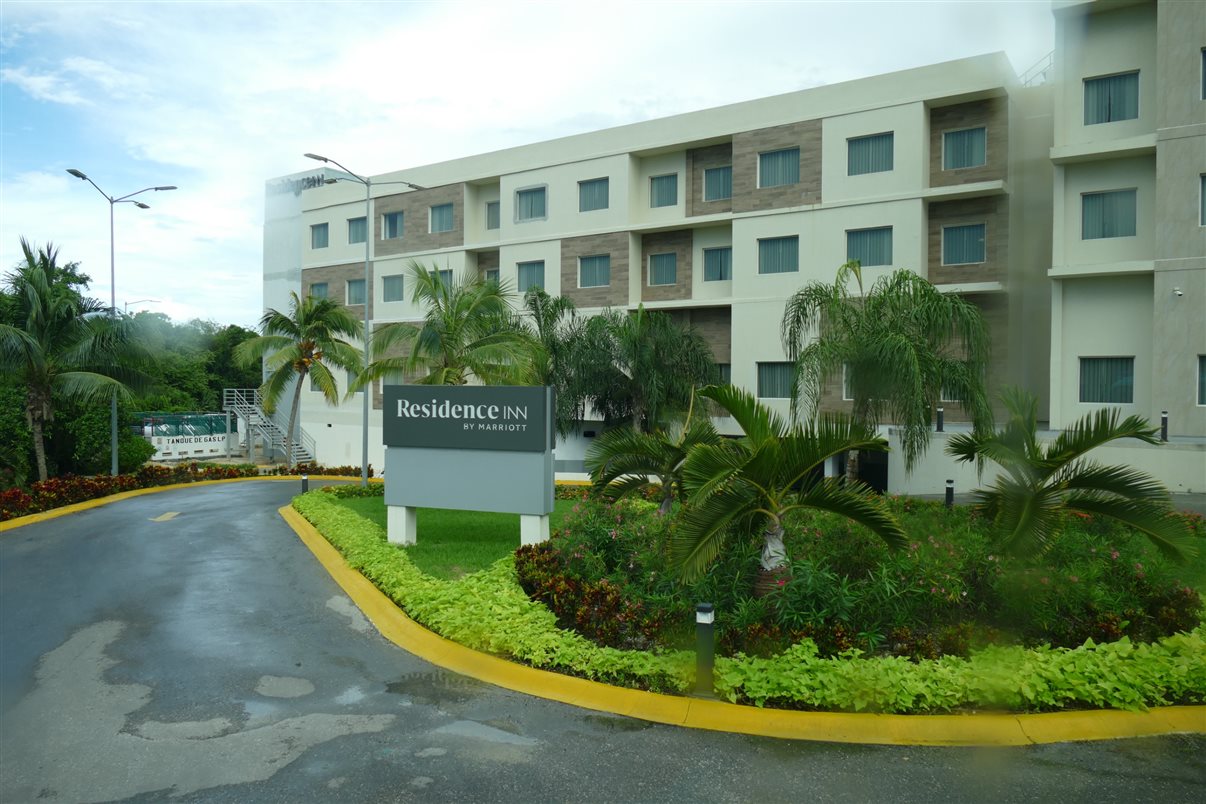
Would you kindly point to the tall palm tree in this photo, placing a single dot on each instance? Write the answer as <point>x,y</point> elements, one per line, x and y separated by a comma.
<point>61,345</point>
<point>555,330</point>
<point>752,483</point>
<point>1040,483</point>
<point>901,344</point>
<point>303,343</point>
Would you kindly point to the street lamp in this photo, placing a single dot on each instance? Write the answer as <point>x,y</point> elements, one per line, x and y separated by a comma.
<point>113,288</point>
<point>126,305</point>
<point>368,293</point>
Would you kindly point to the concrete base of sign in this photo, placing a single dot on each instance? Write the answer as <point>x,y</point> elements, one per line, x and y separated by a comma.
<point>533,529</point>
<point>401,524</point>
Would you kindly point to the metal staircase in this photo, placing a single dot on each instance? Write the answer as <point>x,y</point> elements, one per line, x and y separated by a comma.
<point>248,406</point>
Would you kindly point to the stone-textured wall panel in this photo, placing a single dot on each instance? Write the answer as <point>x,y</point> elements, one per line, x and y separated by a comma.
<point>612,243</point>
<point>699,160</point>
<point>993,114</point>
<point>747,196</point>
<point>678,243</point>
<point>993,212</point>
<point>415,208</point>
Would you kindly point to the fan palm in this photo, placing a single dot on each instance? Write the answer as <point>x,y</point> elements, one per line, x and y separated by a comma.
<point>752,483</point>
<point>1040,483</point>
<point>303,343</point>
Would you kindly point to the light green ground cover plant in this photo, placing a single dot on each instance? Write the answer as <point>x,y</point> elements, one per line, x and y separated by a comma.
<point>488,611</point>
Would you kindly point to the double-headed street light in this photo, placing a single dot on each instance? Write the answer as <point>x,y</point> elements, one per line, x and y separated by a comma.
<point>128,198</point>
<point>368,293</point>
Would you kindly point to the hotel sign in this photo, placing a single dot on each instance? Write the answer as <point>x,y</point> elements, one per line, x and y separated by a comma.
<point>469,417</point>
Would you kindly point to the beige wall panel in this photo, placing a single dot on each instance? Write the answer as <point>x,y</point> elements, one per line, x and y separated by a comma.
<point>747,196</point>
<point>614,244</point>
<point>677,243</point>
<point>993,115</point>
<point>699,160</point>
<point>416,220</point>
<point>993,212</point>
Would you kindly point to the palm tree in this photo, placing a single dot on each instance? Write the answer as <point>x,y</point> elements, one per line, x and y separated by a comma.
<point>303,343</point>
<point>555,329</point>
<point>902,346</point>
<point>1040,483</point>
<point>61,344</point>
<point>468,331</point>
<point>754,482</point>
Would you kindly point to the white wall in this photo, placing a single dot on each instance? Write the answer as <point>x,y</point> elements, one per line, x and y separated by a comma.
<point>1114,174</point>
<point>910,164</point>
<point>561,199</point>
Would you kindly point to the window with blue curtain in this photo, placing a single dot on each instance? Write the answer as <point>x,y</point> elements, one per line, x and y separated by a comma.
<point>391,225</point>
<point>441,218</point>
<point>1107,379</point>
<point>593,194</point>
<point>318,235</point>
<point>530,204</point>
<point>776,168</point>
<point>774,380</point>
<point>718,264</point>
<point>870,246</point>
<point>1202,379</point>
<point>355,291</point>
<point>319,290</point>
<point>663,268</point>
<point>1202,200</point>
<point>531,275</point>
<point>492,275</point>
<point>778,255</point>
<point>391,288</point>
<point>594,271</point>
<point>963,245</point>
<point>663,190</point>
<point>1111,98</point>
<point>871,154</point>
<point>1109,214</point>
<point>718,183</point>
<point>965,148</point>
<point>492,216</point>
<point>443,277</point>
<point>725,372</point>
<point>357,230</point>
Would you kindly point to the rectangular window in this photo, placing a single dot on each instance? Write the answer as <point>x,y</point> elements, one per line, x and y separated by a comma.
<point>357,230</point>
<point>718,183</point>
<point>593,194</point>
<point>1109,214</point>
<point>355,291</point>
<point>444,277</point>
<point>1202,379</point>
<point>779,255</point>
<point>871,154</point>
<point>725,372</point>
<point>964,149</point>
<point>318,235</point>
<point>847,394</point>
<point>531,275</point>
<point>441,218</point>
<point>1112,98</point>
<point>963,245</point>
<point>492,275</point>
<point>1202,200</point>
<point>1107,379</point>
<point>530,204</point>
<point>663,268</point>
<point>870,246</point>
<point>319,290</point>
<point>774,380</point>
<point>718,264</point>
<point>391,225</point>
<point>594,271</point>
<point>392,288</point>
<point>492,216</point>
<point>776,168</point>
<point>663,190</point>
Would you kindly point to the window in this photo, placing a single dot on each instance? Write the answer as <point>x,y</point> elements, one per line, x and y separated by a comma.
<point>593,194</point>
<point>1112,98</point>
<point>492,217</point>
<point>318,235</point>
<point>1202,200</point>
<point>391,226</point>
<point>357,230</point>
<point>531,275</point>
<point>1107,379</point>
<point>392,288</point>
<point>774,380</point>
<point>1202,379</point>
<point>718,183</point>
<point>1109,214</point>
<point>443,277</point>
<point>776,168</point>
<point>725,372</point>
<point>718,264</point>
<point>871,154</point>
<point>355,291</point>
<point>594,271</point>
<point>441,218</point>
<point>663,190</point>
<point>1204,73</point>
<point>319,290</point>
<point>870,246</point>
<point>663,268</point>
<point>963,245</point>
<point>964,149</point>
<point>778,255</point>
<point>530,204</point>
<point>492,275</point>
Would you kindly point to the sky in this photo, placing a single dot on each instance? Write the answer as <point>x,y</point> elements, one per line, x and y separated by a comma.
<point>218,97</point>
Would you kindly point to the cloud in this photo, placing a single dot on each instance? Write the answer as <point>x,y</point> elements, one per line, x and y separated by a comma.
<point>44,87</point>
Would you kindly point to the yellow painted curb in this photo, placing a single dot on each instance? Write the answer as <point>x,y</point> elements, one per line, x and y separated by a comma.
<point>697,713</point>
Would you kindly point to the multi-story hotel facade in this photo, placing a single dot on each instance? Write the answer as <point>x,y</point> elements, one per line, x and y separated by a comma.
<point>957,171</point>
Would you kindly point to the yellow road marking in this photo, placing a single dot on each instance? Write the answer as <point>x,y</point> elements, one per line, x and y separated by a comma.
<point>165,517</point>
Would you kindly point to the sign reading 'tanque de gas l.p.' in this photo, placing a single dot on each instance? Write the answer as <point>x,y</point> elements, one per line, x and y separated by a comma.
<point>494,417</point>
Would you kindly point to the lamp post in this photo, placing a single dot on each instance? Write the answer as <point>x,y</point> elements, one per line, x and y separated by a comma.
<point>368,293</point>
<point>126,305</point>
<point>114,201</point>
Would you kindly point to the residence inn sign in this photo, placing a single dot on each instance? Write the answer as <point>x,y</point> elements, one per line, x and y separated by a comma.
<point>466,417</point>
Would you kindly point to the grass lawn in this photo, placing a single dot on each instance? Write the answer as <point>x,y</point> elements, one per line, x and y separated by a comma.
<point>455,543</point>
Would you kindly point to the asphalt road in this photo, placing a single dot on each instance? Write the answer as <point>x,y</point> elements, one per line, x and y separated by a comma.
<point>186,645</point>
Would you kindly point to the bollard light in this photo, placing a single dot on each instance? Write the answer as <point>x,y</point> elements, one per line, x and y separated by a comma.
<point>1164,425</point>
<point>950,493</point>
<point>939,421</point>
<point>305,483</point>
<point>705,649</point>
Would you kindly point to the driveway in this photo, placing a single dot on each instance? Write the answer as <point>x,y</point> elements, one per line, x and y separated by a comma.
<point>187,645</point>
